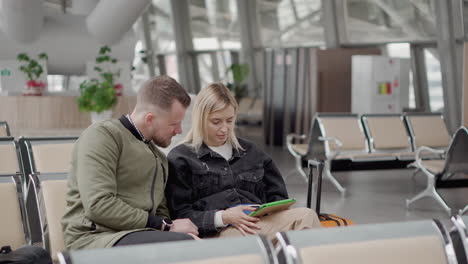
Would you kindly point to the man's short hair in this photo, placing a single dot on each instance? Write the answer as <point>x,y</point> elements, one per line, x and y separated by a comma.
<point>161,92</point>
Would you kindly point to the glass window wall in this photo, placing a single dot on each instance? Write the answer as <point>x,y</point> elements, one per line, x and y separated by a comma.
<point>402,50</point>
<point>215,24</point>
<point>434,79</point>
<point>161,29</point>
<point>290,23</point>
<point>390,20</point>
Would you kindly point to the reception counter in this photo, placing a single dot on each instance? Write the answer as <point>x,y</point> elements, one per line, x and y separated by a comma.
<point>51,115</point>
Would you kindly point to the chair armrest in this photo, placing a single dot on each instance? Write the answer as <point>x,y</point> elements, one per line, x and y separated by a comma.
<point>427,149</point>
<point>338,143</point>
<point>290,137</point>
<point>418,160</point>
<point>289,143</point>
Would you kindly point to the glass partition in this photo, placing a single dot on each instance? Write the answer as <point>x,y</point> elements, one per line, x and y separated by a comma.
<point>213,66</point>
<point>214,24</point>
<point>390,20</point>
<point>160,27</point>
<point>434,79</point>
<point>290,23</point>
<point>402,50</point>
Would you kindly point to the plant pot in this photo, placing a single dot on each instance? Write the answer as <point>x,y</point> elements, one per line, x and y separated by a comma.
<point>104,115</point>
<point>118,89</point>
<point>34,88</point>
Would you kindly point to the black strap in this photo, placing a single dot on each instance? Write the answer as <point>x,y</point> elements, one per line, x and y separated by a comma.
<point>309,190</point>
<point>333,217</point>
<point>319,187</point>
<point>328,218</point>
<point>5,250</point>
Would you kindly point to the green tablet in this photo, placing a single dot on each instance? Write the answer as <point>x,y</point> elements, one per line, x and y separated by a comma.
<point>273,207</point>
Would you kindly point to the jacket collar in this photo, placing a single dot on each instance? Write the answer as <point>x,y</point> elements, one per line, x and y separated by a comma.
<point>126,123</point>
<point>205,150</point>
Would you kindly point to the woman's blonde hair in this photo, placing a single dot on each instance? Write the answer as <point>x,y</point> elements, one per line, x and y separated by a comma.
<point>215,97</point>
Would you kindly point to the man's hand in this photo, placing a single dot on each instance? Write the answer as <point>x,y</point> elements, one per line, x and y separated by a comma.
<point>236,217</point>
<point>184,226</point>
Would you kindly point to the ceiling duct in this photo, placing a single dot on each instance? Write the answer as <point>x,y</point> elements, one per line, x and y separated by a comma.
<point>111,19</point>
<point>22,20</point>
<point>68,44</point>
<point>83,7</point>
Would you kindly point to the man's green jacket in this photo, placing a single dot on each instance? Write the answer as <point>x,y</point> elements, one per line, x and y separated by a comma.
<point>116,180</point>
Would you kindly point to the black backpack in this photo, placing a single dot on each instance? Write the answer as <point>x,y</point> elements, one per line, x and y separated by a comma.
<point>24,255</point>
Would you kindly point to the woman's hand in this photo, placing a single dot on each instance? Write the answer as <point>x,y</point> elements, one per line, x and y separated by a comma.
<point>236,217</point>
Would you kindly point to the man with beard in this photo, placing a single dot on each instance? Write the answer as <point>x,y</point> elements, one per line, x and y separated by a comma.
<point>116,186</point>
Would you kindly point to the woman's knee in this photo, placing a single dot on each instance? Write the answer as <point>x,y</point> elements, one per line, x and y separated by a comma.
<point>308,215</point>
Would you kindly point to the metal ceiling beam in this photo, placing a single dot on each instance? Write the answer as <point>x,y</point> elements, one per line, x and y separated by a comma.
<point>186,62</point>
<point>147,42</point>
<point>420,84</point>
<point>330,24</point>
<point>250,39</point>
<point>450,60</point>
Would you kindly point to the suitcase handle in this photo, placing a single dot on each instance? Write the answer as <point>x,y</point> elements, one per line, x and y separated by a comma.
<point>319,165</point>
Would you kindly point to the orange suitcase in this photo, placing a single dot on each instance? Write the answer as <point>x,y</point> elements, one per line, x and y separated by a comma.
<point>331,220</point>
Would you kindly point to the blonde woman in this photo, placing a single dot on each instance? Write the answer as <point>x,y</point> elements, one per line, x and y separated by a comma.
<point>215,176</point>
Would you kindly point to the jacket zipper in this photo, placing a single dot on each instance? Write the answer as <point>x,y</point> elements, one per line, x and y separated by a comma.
<point>164,174</point>
<point>154,183</point>
<point>152,189</point>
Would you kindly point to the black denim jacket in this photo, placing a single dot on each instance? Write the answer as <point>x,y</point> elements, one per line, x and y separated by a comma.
<point>201,183</point>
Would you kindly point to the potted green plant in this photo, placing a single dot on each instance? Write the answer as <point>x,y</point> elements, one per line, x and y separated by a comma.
<point>239,72</point>
<point>33,71</point>
<point>98,96</point>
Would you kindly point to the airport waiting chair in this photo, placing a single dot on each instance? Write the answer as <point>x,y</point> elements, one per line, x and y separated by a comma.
<point>43,158</point>
<point>428,130</point>
<point>50,192</point>
<point>334,137</point>
<point>46,154</point>
<point>387,133</point>
<point>4,129</point>
<point>459,235</point>
<point>464,210</point>
<point>249,249</point>
<point>418,242</point>
<point>450,169</point>
<point>13,225</point>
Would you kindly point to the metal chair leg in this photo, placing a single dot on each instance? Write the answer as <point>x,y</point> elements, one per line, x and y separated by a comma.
<point>332,179</point>
<point>430,191</point>
<point>441,201</point>
<point>464,210</point>
<point>300,168</point>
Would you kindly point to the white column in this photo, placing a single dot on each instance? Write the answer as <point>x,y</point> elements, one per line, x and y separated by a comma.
<point>250,39</point>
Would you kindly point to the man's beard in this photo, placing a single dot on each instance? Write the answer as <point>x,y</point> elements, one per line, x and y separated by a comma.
<point>161,142</point>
